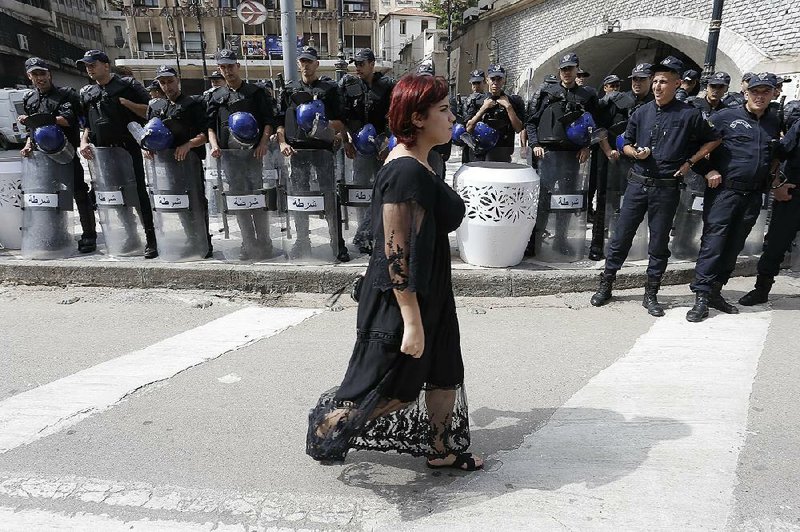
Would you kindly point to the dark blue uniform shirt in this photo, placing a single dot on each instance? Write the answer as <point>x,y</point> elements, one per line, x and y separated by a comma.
<point>748,147</point>
<point>673,132</point>
<point>790,152</point>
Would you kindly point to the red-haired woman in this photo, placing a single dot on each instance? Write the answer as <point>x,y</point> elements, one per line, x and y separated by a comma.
<point>404,386</point>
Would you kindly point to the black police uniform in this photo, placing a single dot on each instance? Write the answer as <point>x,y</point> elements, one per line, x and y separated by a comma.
<point>497,118</point>
<point>731,209</point>
<point>306,158</point>
<point>365,103</point>
<point>469,108</point>
<point>674,132</point>
<point>784,222</point>
<point>65,102</point>
<point>186,119</point>
<point>247,98</point>
<point>107,120</point>
<point>705,106</point>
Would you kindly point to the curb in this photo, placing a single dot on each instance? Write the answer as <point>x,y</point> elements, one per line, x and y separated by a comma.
<point>269,279</point>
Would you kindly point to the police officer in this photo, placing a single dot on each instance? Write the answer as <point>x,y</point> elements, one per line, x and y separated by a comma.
<point>470,106</point>
<point>154,90</point>
<point>240,96</point>
<point>502,112</point>
<point>307,152</point>
<point>690,85</point>
<point>64,104</point>
<point>712,101</point>
<point>785,220</point>
<point>662,136</point>
<point>737,175</point>
<point>583,80</point>
<point>185,117</point>
<point>365,101</point>
<point>109,104</point>
<point>217,80</point>
<point>736,99</point>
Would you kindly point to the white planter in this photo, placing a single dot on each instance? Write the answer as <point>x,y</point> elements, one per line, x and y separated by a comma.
<point>501,201</point>
<point>11,204</point>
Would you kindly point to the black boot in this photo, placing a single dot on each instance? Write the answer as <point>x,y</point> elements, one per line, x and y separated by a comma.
<point>699,311</point>
<point>650,301</point>
<point>150,247</point>
<point>760,294</point>
<point>87,244</point>
<point>715,300</point>
<point>603,293</point>
<point>210,253</point>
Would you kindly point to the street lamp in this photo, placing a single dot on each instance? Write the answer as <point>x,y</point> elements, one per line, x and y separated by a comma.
<point>196,4</point>
<point>493,45</point>
<point>341,64</point>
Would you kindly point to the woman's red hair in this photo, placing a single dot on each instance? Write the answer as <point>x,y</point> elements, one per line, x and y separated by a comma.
<point>413,94</point>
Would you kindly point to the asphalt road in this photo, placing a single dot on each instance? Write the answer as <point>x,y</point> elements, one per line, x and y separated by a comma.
<point>167,410</point>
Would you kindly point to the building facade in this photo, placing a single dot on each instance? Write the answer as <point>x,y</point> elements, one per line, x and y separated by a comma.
<point>400,27</point>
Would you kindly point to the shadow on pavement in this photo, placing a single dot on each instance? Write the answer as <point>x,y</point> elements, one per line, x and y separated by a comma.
<point>523,450</point>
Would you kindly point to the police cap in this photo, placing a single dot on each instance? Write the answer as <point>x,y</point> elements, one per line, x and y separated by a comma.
<point>691,75</point>
<point>426,69</point>
<point>568,60</point>
<point>669,64</point>
<point>165,71</point>
<point>35,63</point>
<point>495,71</point>
<point>365,54</point>
<point>476,76</point>
<point>747,75</point>
<point>642,70</point>
<point>784,79</point>
<point>226,56</point>
<point>720,78</point>
<point>93,55</point>
<point>308,52</point>
<point>550,78</point>
<point>764,79</point>
<point>611,79</point>
<point>582,73</point>
<point>153,86</point>
<point>216,75</point>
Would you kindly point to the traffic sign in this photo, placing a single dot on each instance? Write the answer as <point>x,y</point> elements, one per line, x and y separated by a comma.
<point>251,12</point>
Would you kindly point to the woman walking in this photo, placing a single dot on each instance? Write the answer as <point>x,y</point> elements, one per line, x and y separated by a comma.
<point>404,387</point>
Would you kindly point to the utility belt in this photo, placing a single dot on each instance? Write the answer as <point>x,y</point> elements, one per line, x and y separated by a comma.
<point>661,182</point>
<point>742,187</point>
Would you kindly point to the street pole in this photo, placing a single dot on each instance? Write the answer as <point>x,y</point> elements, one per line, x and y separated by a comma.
<point>197,5</point>
<point>341,63</point>
<point>289,41</point>
<point>713,40</point>
<point>450,80</point>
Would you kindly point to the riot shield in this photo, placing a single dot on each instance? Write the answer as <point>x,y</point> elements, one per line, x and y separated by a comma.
<point>561,215</point>
<point>689,219</point>
<point>355,197</point>
<point>312,233</point>
<point>114,184</point>
<point>754,244</point>
<point>10,204</point>
<point>47,225</point>
<point>179,207</point>
<point>245,200</point>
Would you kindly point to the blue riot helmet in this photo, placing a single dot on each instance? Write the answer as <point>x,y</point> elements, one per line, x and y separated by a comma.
<point>311,116</point>
<point>620,142</point>
<point>49,139</point>
<point>244,128</point>
<point>580,131</point>
<point>458,130</point>
<point>486,137</point>
<point>157,136</point>
<point>392,143</point>
<point>365,140</point>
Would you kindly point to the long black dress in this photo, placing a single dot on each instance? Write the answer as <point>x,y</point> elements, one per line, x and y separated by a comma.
<point>413,211</point>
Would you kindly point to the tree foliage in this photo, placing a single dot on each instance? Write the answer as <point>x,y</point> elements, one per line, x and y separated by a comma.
<point>457,8</point>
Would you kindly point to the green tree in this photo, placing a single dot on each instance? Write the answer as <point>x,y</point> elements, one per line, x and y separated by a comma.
<point>457,8</point>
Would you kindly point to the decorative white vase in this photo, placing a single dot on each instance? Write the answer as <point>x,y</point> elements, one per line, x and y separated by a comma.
<point>11,204</point>
<point>501,201</point>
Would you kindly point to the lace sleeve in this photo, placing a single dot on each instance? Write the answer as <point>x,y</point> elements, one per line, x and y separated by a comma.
<point>402,223</point>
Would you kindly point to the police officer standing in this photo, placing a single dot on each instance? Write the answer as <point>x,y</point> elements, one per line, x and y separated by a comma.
<point>736,99</point>
<point>64,105</point>
<point>240,96</point>
<point>737,176</point>
<point>712,101</point>
<point>662,136</point>
<point>785,220</point>
<point>307,152</point>
<point>109,104</point>
<point>185,117</point>
<point>365,101</point>
<point>690,85</point>
<point>502,112</point>
<point>217,80</point>
<point>471,105</point>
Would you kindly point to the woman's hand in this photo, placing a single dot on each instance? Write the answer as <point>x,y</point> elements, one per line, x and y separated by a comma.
<point>413,340</point>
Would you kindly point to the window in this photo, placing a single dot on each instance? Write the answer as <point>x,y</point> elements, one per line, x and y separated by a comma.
<point>320,43</point>
<point>354,6</point>
<point>148,45</point>
<point>145,3</point>
<point>402,27</point>
<point>424,25</point>
<point>192,43</point>
<point>229,3</point>
<point>118,32</point>
<point>314,4</point>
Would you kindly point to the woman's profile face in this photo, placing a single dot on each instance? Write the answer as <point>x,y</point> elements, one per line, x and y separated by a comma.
<point>438,125</point>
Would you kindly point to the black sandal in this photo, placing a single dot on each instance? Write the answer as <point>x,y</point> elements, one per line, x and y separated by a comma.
<point>462,459</point>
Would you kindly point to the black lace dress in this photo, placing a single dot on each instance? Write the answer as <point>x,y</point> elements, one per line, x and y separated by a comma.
<point>390,401</point>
